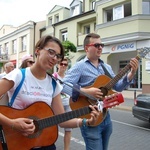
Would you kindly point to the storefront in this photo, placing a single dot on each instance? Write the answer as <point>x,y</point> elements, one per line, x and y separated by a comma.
<point>119,57</point>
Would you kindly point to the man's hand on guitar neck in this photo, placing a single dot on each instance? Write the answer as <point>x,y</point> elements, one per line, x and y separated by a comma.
<point>134,67</point>
<point>95,92</point>
<point>94,115</point>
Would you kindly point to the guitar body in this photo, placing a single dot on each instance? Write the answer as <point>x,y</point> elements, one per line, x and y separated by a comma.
<point>83,101</point>
<point>16,140</point>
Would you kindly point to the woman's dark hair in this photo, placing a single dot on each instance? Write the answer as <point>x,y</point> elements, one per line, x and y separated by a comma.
<point>24,64</point>
<point>87,38</point>
<point>45,39</point>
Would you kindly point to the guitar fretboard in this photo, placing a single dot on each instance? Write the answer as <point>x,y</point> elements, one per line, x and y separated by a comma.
<point>119,75</point>
<point>54,120</point>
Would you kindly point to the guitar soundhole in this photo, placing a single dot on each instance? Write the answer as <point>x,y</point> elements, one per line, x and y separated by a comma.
<point>104,90</point>
<point>37,132</point>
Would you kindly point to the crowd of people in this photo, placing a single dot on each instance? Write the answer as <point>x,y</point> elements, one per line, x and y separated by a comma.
<point>49,52</point>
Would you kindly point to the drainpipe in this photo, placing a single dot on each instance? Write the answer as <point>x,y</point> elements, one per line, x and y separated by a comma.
<point>34,38</point>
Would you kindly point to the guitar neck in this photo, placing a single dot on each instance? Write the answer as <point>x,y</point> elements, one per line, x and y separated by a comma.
<point>54,120</point>
<point>119,75</point>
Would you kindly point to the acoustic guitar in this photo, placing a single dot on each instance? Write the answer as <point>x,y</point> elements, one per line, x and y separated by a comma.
<point>46,122</point>
<point>106,84</point>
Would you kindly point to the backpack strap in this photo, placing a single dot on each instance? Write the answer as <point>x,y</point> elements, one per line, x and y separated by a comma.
<point>54,85</point>
<point>18,88</point>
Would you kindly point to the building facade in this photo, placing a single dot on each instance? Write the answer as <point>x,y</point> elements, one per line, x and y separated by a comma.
<point>18,41</point>
<point>122,24</point>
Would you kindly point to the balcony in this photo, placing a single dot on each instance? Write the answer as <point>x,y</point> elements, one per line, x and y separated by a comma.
<point>126,29</point>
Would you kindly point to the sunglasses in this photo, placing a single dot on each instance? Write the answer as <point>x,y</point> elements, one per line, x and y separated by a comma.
<point>63,64</point>
<point>31,62</point>
<point>96,45</point>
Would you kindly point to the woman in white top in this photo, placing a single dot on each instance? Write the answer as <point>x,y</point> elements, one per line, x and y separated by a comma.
<point>37,86</point>
<point>60,74</point>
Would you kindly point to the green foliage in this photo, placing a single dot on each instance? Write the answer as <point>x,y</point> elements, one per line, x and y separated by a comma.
<point>68,46</point>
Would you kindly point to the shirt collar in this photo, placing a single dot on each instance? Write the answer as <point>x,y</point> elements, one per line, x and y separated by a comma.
<point>86,59</point>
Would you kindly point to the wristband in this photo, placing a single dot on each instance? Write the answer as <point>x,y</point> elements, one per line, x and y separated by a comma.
<point>88,122</point>
<point>84,122</point>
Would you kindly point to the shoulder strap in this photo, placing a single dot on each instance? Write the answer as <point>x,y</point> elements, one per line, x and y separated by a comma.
<point>18,88</point>
<point>54,85</point>
<point>106,71</point>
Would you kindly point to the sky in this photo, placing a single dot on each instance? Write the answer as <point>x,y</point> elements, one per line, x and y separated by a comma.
<point>17,12</point>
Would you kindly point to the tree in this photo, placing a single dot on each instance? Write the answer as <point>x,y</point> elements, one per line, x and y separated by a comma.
<point>69,47</point>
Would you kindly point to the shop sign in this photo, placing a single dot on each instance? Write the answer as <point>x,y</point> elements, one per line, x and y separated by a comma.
<point>123,47</point>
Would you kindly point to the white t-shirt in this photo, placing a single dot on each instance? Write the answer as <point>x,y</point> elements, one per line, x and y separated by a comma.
<point>32,90</point>
<point>65,97</point>
<point>2,74</point>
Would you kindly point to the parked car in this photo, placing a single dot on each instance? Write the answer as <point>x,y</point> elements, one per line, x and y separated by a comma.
<point>141,108</point>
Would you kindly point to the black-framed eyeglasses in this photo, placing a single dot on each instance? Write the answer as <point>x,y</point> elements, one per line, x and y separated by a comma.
<point>52,54</point>
<point>96,45</point>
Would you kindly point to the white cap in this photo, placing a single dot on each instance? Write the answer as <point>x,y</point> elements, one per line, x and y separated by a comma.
<point>25,57</point>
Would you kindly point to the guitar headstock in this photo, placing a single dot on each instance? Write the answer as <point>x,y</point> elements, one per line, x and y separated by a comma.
<point>142,52</point>
<point>113,100</point>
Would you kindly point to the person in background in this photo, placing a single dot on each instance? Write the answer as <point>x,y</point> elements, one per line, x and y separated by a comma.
<point>8,67</point>
<point>27,61</point>
<point>60,74</point>
<point>49,51</point>
<point>82,75</point>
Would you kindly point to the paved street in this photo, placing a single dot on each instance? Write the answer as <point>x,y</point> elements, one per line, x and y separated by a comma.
<point>77,140</point>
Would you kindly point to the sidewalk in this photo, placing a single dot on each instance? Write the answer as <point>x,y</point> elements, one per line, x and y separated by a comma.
<point>128,100</point>
<point>130,94</point>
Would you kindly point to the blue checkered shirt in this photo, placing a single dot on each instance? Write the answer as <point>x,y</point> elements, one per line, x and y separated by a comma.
<point>84,73</point>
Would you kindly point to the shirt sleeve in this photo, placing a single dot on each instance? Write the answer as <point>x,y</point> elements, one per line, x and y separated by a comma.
<point>70,82</point>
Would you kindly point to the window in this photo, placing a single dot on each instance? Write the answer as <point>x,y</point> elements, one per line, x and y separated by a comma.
<point>56,18</point>
<point>123,63</point>
<point>64,35</point>
<point>75,10</point>
<point>6,48</point>
<point>92,5</point>
<point>86,29</point>
<point>146,6</point>
<point>50,21</point>
<point>24,43</point>
<point>118,12</point>
<point>14,46</point>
